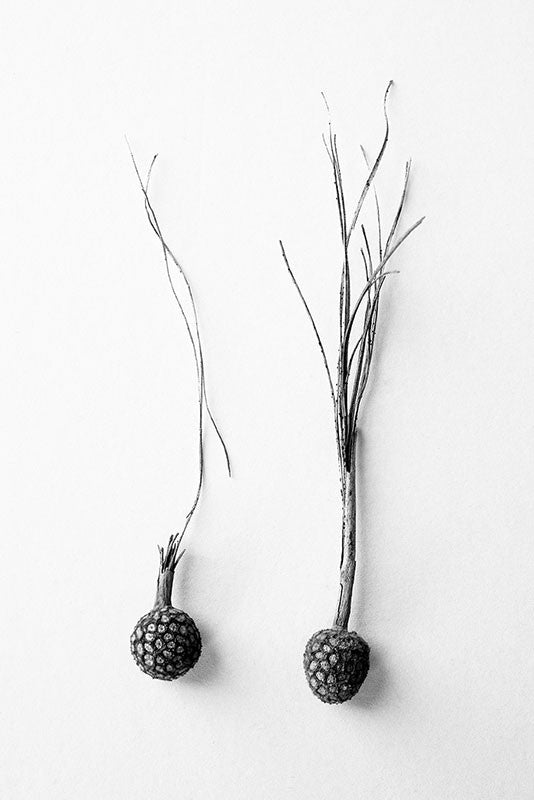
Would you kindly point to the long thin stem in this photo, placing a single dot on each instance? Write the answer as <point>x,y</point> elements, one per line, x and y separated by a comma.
<point>377,206</point>
<point>319,342</point>
<point>375,166</point>
<point>344,292</point>
<point>376,274</point>
<point>198,345</point>
<point>197,350</point>
<point>170,557</point>
<point>401,204</point>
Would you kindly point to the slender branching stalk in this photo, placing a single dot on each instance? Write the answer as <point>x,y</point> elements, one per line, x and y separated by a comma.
<point>355,352</point>
<point>171,554</point>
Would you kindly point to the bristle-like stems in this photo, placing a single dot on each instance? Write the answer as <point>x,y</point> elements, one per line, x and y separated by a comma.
<point>401,204</point>
<point>171,554</point>
<point>374,168</point>
<point>375,277</point>
<point>195,340</point>
<point>170,557</point>
<point>319,342</point>
<point>355,359</point>
<point>310,316</point>
<point>218,432</point>
<point>168,253</point>
<point>377,206</point>
<point>369,258</point>
<point>344,290</point>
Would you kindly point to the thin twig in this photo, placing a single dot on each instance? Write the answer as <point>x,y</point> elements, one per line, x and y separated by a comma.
<point>378,271</point>
<point>319,341</point>
<point>401,204</point>
<point>344,290</point>
<point>374,168</point>
<point>172,556</point>
<point>375,276</point>
<point>377,205</point>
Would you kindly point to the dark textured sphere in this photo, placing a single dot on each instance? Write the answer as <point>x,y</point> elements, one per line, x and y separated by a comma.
<point>336,663</point>
<point>165,643</point>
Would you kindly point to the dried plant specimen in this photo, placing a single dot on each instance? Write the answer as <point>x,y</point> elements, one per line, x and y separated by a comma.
<point>336,660</point>
<point>166,642</point>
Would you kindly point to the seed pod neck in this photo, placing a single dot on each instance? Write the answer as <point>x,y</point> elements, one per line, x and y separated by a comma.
<point>348,548</point>
<point>164,590</point>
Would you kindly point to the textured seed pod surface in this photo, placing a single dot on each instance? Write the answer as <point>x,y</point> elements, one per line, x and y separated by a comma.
<point>165,643</point>
<point>336,663</point>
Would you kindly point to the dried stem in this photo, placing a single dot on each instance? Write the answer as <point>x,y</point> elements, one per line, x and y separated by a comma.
<point>375,166</point>
<point>171,555</point>
<point>347,570</point>
<point>354,359</point>
<point>321,347</point>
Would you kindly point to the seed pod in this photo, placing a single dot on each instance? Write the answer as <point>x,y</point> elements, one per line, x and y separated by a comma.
<point>165,643</point>
<point>336,663</point>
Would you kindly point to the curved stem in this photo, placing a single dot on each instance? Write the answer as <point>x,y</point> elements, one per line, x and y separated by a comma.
<point>374,169</point>
<point>325,360</point>
<point>170,557</point>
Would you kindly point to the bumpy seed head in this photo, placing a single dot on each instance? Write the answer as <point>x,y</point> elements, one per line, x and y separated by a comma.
<point>336,663</point>
<point>165,643</point>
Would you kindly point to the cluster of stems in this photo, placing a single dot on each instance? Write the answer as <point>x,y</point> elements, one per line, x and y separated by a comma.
<point>171,554</point>
<point>355,352</point>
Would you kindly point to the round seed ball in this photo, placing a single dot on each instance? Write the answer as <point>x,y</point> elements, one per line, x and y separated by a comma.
<point>336,663</point>
<point>165,643</point>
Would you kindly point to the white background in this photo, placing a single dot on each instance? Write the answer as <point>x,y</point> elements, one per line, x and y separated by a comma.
<point>98,434</point>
